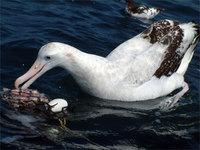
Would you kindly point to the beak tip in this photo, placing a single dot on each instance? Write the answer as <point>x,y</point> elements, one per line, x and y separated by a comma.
<point>16,84</point>
<point>30,76</point>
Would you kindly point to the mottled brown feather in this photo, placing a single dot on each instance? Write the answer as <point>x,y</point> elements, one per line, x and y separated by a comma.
<point>133,8</point>
<point>172,35</point>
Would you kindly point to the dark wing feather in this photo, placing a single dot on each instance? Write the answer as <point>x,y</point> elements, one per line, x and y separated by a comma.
<point>169,33</point>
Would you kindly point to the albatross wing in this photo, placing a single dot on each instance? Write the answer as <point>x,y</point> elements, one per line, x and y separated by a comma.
<point>164,48</point>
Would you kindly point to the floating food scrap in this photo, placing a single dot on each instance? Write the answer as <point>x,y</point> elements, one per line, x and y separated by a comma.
<point>31,101</point>
<point>26,99</point>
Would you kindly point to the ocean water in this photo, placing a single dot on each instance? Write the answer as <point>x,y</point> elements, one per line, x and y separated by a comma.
<point>97,27</point>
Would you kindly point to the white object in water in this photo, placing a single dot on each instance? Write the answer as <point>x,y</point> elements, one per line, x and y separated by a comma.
<point>58,104</point>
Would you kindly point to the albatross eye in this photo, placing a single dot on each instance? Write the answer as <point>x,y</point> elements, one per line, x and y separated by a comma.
<point>47,57</point>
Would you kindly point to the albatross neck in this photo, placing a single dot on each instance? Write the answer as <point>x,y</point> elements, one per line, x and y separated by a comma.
<point>80,64</point>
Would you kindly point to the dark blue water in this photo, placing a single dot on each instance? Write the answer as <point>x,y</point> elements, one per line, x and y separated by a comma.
<point>93,26</point>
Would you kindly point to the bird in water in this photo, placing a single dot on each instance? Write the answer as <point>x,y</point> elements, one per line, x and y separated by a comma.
<point>147,66</point>
<point>143,12</point>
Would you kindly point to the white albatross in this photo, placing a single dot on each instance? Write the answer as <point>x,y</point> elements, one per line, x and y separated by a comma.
<point>147,66</point>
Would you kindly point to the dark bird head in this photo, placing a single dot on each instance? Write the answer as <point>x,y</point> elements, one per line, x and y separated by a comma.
<point>160,9</point>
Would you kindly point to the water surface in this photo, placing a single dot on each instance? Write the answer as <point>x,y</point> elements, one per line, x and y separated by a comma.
<point>97,27</point>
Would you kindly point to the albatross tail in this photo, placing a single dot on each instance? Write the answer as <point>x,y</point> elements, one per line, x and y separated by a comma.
<point>191,37</point>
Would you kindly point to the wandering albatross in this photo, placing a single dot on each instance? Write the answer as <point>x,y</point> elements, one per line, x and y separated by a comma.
<point>147,66</point>
<point>141,11</point>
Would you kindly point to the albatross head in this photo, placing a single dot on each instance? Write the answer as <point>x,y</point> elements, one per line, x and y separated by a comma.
<point>50,55</point>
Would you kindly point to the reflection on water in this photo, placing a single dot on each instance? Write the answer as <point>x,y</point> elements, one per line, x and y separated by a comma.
<point>130,120</point>
<point>96,27</point>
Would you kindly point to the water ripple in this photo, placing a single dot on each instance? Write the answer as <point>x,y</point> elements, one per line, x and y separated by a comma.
<point>97,27</point>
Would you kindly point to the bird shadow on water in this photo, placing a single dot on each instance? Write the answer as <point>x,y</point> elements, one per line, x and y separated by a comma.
<point>130,121</point>
<point>151,104</point>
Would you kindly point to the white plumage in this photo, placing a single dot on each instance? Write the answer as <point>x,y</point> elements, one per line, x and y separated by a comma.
<point>150,65</point>
<point>149,13</point>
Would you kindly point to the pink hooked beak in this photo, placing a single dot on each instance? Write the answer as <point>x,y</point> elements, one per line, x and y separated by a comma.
<point>31,75</point>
